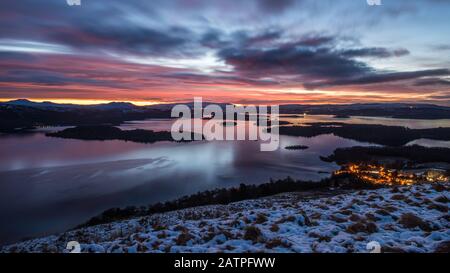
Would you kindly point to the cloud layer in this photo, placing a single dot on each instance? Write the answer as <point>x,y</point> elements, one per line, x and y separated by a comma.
<point>245,52</point>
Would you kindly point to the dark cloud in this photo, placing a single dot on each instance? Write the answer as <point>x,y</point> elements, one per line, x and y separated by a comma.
<point>218,79</point>
<point>317,62</point>
<point>131,39</point>
<point>315,40</point>
<point>432,81</point>
<point>287,48</point>
<point>291,60</point>
<point>94,26</point>
<point>374,78</point>
<point>275,6</point>
<point>378,52</point>
<point>441,47</point>
<point>213,39</point>
<point>263,38</point>
<point>440,97</point>
<point>50,78</point>
<point>6,56</point>
<point>242,39</point>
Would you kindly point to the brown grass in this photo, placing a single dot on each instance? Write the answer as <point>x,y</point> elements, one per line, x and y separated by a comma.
<point>229,248</point>
<point>390,249</point>
<point>180,228</point>
<point>274,228</point>
<point>410,220</point>
<point>446,217</point>
<point>443,247</point>
<point>261,218</point>
<point>439,207</point>
<point>362,227</point>
<point>320,237</point>
<point>382,212</point>
<point>438,187</point>
<point>286,219</point>
<point>161,235</point>
<point>141,248</point>
<point>252,233</point>
<point>355,218</point>
<point>371,217</point>
<point>316,215</point>
<point>183,238</point>
<point>306,220</point>
<point>277,242</point>
<point>156,244</point>
<point>167,248</point>
<point>418,195</point>
<point>390,208</point>
<point>357,202</point>
<point>234,223</point>
<point>346,212</point>
<point>337,219</point>
<point>442,199</point>
<point>398,197</point>
<point>158,227</point>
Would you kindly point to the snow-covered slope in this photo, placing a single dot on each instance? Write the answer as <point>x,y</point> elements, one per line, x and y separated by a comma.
<point>411,219</point>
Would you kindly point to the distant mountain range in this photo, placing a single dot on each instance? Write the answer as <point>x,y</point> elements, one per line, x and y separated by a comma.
<point>104,106</point>
<point>393,110</point>
<point>23,114</point>
<point>52,105</point>
<point>285,107</point>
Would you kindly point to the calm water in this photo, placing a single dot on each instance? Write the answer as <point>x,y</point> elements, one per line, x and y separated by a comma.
<point>49,184</point>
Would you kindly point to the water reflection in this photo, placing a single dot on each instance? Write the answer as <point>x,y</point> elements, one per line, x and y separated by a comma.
<point>410,123</point>
<point>430,143</point>
<point>52,184</point>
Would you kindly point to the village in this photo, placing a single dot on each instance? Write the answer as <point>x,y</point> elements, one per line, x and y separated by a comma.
<point>390,175</point>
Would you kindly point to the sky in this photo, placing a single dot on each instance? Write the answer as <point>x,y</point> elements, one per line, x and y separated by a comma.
<point>238,51</point>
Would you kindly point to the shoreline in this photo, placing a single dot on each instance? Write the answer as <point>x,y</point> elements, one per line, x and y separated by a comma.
<point>225,196</point>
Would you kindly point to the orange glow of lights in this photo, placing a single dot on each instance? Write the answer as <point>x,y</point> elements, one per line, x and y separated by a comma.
<point>378,174</point>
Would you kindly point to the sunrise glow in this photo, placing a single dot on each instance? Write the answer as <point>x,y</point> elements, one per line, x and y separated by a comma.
<point>293,55</point>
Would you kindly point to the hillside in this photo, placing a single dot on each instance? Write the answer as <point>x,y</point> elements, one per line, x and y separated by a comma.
<point>405,219</point>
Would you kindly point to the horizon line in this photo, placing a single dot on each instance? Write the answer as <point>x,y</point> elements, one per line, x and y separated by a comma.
<point>150,103</point>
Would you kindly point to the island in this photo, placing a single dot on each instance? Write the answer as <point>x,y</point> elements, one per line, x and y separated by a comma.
<point>296,147</point>
<point>415,153</point>
<point>104,132</point>
<point>376,134</point>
